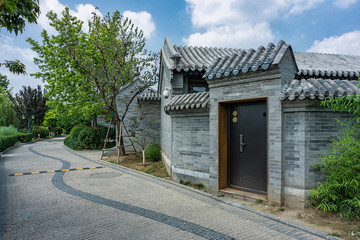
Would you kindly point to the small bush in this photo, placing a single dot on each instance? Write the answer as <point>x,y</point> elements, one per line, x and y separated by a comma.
<point>7,141</point>
<point>24,137</point>
<point>35,133</point>
<point>340,193</point>
<point>43,131</point>
<point>4,131</point>
<point>153,152</point>
<point>88,137</point>
<point>72,143</point>
<point>74,133</point>
<point>57,131</point>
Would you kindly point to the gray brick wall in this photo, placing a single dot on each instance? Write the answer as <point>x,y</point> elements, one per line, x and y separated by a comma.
<point>308,130</point>
<point>190,145</point>
<point>150,114</point>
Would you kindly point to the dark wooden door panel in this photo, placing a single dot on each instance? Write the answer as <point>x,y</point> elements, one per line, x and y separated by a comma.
<point>247,133</point>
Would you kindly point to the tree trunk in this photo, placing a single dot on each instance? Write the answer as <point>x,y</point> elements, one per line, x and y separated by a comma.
<point>94,121</point>
<point>143,153</point>
<point>120,139</point>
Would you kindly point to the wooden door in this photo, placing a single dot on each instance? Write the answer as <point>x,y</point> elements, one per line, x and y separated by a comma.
<point>247,148</point>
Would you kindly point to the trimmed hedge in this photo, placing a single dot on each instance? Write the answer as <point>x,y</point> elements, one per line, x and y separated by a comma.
<point>84,137</point>
<point>72,143</point>
<point>74,133</point>
<point>8,141</point>
<point>42,131</point>
<point>25,137</point>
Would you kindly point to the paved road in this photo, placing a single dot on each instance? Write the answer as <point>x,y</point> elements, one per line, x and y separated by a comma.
<point>113,202</point>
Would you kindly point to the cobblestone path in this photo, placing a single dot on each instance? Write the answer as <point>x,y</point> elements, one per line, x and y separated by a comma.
<point>48,191</point>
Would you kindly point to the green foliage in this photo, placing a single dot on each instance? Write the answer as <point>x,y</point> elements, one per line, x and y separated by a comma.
<point>72,143</point>
<point>4,131</point>
<point>340,193</point>
<point>43,131</point>
<point>8,114</point>
<point>30,106</point>
<point>25,137</point>
<point>85,71</point>
<point>13,16</point>
<point>7,141</point>
<point>50,120</point>
<point>14,66</point>
<point>89,138</point>
<point>153,152</point>
<point>349,103</point>
<point>15,13</point>
<point>74,133</point>
<point>57,131</point>
<point>11,137</point>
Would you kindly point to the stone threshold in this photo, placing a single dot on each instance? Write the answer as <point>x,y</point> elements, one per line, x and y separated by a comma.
<point>239,193</point>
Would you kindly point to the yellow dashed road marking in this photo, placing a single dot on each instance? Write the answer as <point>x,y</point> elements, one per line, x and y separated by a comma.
<point>52,171</point>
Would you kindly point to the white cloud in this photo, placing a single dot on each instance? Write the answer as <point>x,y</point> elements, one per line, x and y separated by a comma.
<point>344,3</point>
<point>142,20</point>
<point>238,36</point>
<point>236,22</point>
<point>82,12</point>
<point>11,52</point>
<point>348,43</point>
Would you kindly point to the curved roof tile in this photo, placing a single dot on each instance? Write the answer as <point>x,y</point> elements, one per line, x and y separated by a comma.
<point>150,97</point>
<point>246,60</point>
<point>318,88</point>
<point>329,66</point>
<point>188,101</point>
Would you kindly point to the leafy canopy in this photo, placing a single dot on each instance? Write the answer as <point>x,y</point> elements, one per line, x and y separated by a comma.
<point>15,13</point>
<point>13,16</point>
<point>85,71</point>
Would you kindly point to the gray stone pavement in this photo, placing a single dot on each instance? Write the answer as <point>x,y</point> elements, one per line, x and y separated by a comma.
<point>115,202</point>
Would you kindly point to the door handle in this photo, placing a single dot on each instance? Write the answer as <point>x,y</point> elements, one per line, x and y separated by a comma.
<point>242,144</point>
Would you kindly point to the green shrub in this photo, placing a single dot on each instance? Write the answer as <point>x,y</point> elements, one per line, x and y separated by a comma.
<point>103,131</point>
<point>4,131</point>
<point>153,152</point>
<point>57,131</point>
<point>24,137</point>
<point>340,193</point>
<point>43,131</point>
<point>74,133</point>
<point>91,137</point>
<point>88,138</point>
<point>72,143</point>
<point>35,133</point>
<point>7,141</point>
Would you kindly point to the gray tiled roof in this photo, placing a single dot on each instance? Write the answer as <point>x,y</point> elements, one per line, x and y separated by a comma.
<point>329,66</point>
<point>318,88</point>
<point>150,96</point>
<point>247,60</point>
<point>193,58</point>
<point>188,101</point>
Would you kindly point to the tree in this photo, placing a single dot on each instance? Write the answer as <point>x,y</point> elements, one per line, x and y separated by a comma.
<point>141,133</point>
<point>13,16</point>
<point>8,114</point>
<point>30,106</point>
<point>101,62</point>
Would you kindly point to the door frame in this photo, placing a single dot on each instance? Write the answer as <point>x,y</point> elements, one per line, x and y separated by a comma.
<point>223,146</point>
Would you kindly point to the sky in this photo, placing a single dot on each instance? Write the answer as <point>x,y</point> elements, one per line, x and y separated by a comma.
<point>327,26</point>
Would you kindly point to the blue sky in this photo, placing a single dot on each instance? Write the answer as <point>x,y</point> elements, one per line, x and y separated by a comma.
<point>329,26</point>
